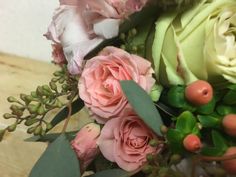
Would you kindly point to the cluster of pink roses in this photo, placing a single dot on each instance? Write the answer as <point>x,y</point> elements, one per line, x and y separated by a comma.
<point>124,139</point>
<point>78,26</point>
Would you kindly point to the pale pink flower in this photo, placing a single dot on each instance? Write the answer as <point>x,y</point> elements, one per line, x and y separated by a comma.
<point>99,85</point>
<point>85,145</point>
<point>58,54</point>
<point>126,142</point>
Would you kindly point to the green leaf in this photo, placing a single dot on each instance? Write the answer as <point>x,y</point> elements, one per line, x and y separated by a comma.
<point>112,173</point>
<point>219,141</point>
<point>207,108</point>
<point>230,97</point>
<point>59,160</point>
<point>142,104</point>
<point>175,96</point>
<point>51,137</point>
<point>77,105</point>
<point>211,151</point>
<point>175,138</point>
<point>224,110</point>
<point>209,121</point>
<point>186,122</point>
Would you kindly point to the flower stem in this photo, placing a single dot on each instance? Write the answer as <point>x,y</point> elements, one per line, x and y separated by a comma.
<point>222,158</point>
<point>68,116</point>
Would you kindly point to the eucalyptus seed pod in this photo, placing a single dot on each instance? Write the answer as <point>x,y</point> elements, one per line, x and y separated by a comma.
<point>30,122</point>
<point>34,94</point>
<point>38,130</point>
<point>8,116</point>
<point>23,96</point>
<point>153,143</point>
<point>39,90</point>
<point>175,159</point>
<point>41,110</point>
<point>150,157</point>
<point>33,108</point>
<point>147,169</point>
<point>48,125</point>
<point>11,99</point>
<point>12,127</point>
<point>57,73</point>
<point>53,86</point>
<point>31,129</point>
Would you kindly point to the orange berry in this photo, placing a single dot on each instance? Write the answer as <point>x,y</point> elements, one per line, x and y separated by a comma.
<point>230,165</point>
<point>199,92</point>
<point>192,143</point>
<point>229,124</point>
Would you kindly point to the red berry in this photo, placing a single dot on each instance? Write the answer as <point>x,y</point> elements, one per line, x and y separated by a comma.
<point>230,165</point>
<point>229,124</point>
<point>199,92</point>
<point>192,143</point>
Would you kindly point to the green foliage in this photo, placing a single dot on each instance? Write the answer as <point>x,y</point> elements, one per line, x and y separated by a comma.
<point>32,109</point>
<point>219,145</point>
<point>59,160</point>
<point>113,173</point>
<point>209,121</point>
<point>142,104</point>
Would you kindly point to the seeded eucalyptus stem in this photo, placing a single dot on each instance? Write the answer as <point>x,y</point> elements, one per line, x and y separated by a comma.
<point>33,108</point>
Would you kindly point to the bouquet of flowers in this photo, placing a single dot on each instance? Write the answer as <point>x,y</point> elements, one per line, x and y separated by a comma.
<point>157,79</point>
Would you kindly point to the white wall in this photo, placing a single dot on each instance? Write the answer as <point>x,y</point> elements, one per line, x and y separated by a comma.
<point>22,25</point>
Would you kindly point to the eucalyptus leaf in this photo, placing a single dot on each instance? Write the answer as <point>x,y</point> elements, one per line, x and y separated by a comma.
<point>77,105</point>
<point>142,104</point>
<point>186,122</point>
<point>112,173</point>
<point>59,160</point>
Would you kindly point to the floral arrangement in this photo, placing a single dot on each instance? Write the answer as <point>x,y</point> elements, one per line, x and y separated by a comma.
<point>158,79</point>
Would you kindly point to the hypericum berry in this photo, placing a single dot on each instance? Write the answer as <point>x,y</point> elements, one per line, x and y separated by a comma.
<point>192,143</point>
<point>199,92</point>
<point>230,165</point>
<point>229,124</point>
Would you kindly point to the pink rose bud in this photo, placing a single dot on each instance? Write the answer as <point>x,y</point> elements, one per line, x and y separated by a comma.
<point>85,144</point>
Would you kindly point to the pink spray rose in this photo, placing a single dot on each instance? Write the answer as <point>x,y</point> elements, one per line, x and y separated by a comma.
<point>126,142</point>
<point>85,145</point>
<point>99,85</point>
<point>58,54</point>
<point>80,25</point>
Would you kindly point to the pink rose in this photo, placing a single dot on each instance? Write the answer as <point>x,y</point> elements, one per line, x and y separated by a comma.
<point>99,85</point>
<point>85,145</point>
<point>58,55</point>
<point>126,142</point>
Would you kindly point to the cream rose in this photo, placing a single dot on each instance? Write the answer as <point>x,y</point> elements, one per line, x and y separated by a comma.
<point>197,44</point>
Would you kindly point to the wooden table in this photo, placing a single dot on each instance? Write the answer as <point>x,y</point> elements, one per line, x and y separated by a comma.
<point>19,75</point>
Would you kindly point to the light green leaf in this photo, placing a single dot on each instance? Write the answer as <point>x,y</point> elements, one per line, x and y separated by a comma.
<point>209,121</point>
<point>142,104</point>
<point>59,160</point>
<point>175,138</point>
<point>186,122</point>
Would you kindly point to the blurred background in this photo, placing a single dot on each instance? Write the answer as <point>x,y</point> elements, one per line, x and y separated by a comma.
<point>22,25</point>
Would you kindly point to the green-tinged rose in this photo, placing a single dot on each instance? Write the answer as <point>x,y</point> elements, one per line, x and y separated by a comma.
<point>197,44</point>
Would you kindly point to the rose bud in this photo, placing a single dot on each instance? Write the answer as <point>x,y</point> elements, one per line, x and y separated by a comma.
<point>199,92</point>
<point>230,165</point>
<point>192,143</point>
<point>85,144</point>
<point>229,124</point>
